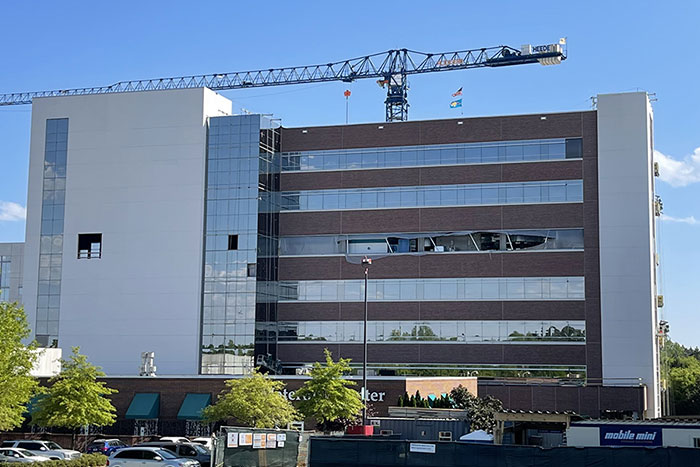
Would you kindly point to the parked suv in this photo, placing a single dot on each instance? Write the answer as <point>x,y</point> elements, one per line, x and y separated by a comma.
<point>43,448</point>
<point>148,457</point>
<point>105,446</point>
<point>185,450</point>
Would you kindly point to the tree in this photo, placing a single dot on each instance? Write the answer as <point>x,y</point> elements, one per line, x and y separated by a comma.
<point>481,410</point>
<point>681,367</point>
<point>327,397</point>
<point>75,398</point>
<point>16,361</point>
<point>253,401</point>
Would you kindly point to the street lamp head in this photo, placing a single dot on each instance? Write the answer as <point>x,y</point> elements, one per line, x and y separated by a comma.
<point>366,261</point>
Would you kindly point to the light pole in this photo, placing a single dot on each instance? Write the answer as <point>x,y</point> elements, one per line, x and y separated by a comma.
<point>366,262</point>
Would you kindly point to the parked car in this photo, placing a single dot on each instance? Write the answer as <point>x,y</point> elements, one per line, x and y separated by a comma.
<point>43,448</point>
<point>20,455</point>
<point>185,450</point>
<point>105,446</point>
<point>175,439</point>
<point>204,441</point>
<point>148,456</point>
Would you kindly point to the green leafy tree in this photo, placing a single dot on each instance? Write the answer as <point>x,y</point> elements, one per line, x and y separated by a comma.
<point>16,360</point>
<point>253,401</point>
<point>75,398</point>
<point>327,396</point>
<point>681,368</point>
<point>482,410</point>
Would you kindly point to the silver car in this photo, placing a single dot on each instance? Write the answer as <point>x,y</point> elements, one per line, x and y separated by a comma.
<point>43,448</point>
<point>20,455</point>
<point>148,457</point>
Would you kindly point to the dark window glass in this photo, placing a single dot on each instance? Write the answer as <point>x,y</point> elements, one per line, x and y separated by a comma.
<point>574,148</point>
<point>148,455</point>
<point>233,242</point>
<point>90,246</point>
<point>30,446</point>
<point>130,454</point>
<point>252,270</point>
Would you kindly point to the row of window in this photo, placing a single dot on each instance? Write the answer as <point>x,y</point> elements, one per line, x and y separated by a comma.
<point>425,331</point>
<point>445,154</point>
<point>230,241</point>
<point>52,215</point>
<point>558,191</point>
<point>434,242</point>
<point>5,261</point>
<point>443,289</point>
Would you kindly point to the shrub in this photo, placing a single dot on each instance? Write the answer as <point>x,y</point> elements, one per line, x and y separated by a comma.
<point>86,460</point>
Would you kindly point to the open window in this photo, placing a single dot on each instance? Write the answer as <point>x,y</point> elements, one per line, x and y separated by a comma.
<point>90,246</point>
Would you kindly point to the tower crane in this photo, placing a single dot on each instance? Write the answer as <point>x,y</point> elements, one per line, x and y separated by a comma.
<point>391,68</point>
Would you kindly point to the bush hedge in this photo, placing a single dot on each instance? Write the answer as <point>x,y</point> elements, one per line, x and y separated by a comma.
<point>86,460</point>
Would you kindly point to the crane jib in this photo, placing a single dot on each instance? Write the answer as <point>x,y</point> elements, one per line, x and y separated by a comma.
<point>392,67</point>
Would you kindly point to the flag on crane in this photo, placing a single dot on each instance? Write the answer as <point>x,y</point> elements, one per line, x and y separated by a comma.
<point>457,93</point>
<point>456,103</point>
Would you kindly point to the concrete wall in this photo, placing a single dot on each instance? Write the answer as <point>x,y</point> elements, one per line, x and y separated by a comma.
<point>627,271</point>
<point>135,174</point>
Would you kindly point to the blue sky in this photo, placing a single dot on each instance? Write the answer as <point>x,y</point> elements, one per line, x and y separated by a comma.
<point>613,46</point>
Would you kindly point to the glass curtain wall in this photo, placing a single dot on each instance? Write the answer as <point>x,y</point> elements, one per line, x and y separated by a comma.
<point>477,194</point>
<point>443,154</point>
<point>5,262</point>
<point>51,239</point>
<point>457,332</point>
<point>241,242</point>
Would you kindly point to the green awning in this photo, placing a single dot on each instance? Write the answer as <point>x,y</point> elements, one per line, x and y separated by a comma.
<point>144,406</point>
<point>191,408</point>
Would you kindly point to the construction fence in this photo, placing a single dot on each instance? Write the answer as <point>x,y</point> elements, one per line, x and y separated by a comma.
<point>334,452</point>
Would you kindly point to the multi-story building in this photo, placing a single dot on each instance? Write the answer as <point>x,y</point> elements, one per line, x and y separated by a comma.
<point>11,259</point>
<point>515,247</point>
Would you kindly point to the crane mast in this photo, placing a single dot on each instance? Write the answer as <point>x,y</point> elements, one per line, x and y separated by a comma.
<point>392,69</point>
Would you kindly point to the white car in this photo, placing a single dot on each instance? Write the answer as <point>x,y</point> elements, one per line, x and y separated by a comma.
<point>43,448</point>
<point>204,441</point>
<point>21,455</point>
<point>148,457</point>
<point>175,439</point>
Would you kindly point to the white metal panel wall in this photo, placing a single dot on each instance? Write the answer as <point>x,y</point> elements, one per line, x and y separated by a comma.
<point>583,436</point>
<point>135,174</point>
<point>627,289</point>
<point>680,437</point>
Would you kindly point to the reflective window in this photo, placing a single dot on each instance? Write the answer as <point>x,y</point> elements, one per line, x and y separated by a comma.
<point>5,261</point>
<point>557,191</point>
<point>432,242</point>
<point>447,154</point>
<point>443,289</point>
<point>51,237</point>
<point>240,154</point>
<point>434,331</point>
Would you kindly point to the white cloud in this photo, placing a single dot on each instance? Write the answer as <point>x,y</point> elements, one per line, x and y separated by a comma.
<point>679,172</point>
<point>691,220</point>
<point>10,211</point>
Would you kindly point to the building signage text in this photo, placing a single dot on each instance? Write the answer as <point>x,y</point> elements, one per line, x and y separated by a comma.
<point>627,435</point>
